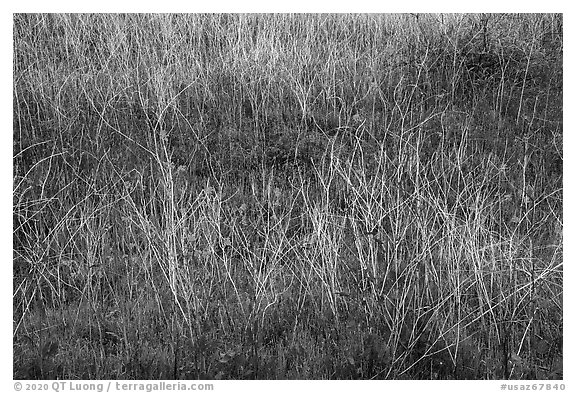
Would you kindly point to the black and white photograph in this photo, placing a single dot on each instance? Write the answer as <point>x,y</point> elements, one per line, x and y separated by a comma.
<point>287,196</point>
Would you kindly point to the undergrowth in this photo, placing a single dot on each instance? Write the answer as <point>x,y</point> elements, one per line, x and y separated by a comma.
<point>287,196</point>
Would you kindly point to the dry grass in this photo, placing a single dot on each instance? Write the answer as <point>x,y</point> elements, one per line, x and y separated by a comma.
<point>288,196</point>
